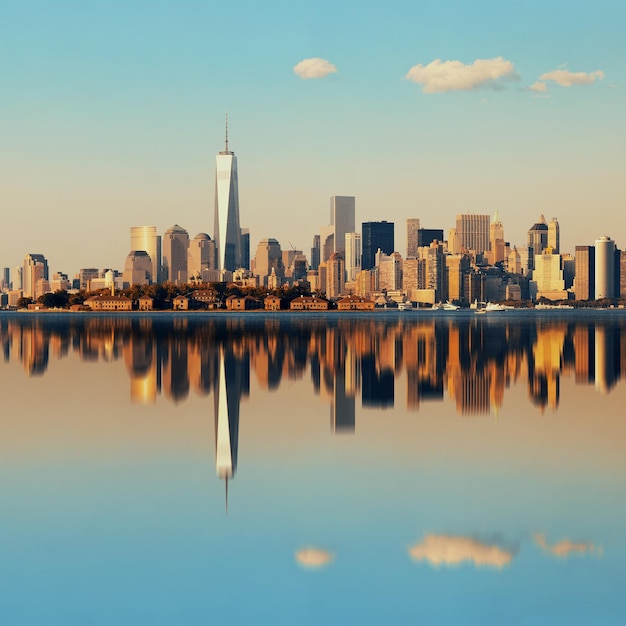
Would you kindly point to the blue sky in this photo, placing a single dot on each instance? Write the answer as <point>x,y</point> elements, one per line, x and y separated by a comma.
<point>111,114</point>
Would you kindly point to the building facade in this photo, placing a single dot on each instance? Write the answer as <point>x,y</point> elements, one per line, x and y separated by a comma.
<point>175,253</point>
<point>342,212</point>
<point>412,227</point>
<point>473,232</point>
<point>375,236</point>
<point>146,238</point>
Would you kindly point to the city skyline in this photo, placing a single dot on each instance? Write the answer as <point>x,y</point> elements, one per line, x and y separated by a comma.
<point>99,142</point>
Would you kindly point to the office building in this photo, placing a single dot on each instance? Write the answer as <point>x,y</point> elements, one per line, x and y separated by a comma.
<point>335,276</point>
<point>315,252</point>
<point>6,278</point>
<point>496,240</point>
<point>268,260</point>
<point>342,211</point>
<point>353,255</point>
<point>202,257</point>
<point>412,227</point>
<point>146,238</point>
<point>426,236</point>
<point>605,268</point>
<point>137,269</point>
<point>537,241</point>
<point>227,232</point>
<point>473,232</point>
<point>245,248</point>
<point>175,251</point>
<point>389,271</point>
<point>554,236</point>
<point>35,268</point>
<point>547,277</point>
<point>375,236</point>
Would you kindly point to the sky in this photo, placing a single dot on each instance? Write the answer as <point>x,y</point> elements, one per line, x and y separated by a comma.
<point>111,114</point>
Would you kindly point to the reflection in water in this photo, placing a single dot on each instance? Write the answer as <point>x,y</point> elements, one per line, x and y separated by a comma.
<point>565,547</point>
<point>474,360</point>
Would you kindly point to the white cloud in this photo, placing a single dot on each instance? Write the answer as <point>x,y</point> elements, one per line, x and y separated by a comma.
<point>539,86</point>
<point>439,76</point>
<point>565,78</point>
<point>314,68</point>
<point>314,558</point>
<point>565,547</point>
<point>450,550</point>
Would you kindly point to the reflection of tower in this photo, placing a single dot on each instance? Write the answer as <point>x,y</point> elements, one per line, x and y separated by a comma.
<point>141,362</point>
<point>233,375</point>
<point>227,232</point>
<point>607,357</point>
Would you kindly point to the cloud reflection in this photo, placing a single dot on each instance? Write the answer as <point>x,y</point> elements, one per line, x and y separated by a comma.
<point>314,558</point>
<point>451,550</point>
<point>564,548</point>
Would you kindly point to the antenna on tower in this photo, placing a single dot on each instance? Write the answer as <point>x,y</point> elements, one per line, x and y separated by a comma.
<point>226,132</point>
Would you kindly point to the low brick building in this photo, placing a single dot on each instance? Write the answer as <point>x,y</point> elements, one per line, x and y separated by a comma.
<point>245,303</point>
<point>355,303</point>
<point>109,303</point>
<point>309,303</point>
<point>272,303</point>
<point>180,303</point>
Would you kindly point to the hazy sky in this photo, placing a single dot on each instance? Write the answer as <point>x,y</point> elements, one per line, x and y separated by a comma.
<point>111,114</point>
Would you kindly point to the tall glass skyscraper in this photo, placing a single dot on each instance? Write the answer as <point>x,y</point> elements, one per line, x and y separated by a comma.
<point>145,238</point>
<point>227,233</point>
<point>342,210</point>
<point>375,236</point>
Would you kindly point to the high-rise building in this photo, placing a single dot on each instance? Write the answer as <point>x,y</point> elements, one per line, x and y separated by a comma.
<point>496,240</point>
<point>353,255</point>
<point>227,232</point>
<point>137,269</point>
<point>342,210</point>
<point>537,240</point>
<point>554,236</point>
<point>473,232</point>
<point>35,268</point>
<point>268,257</point>
<point>245,248</point>
<point>327,242</point>
<point>389,271</point>
<point>335,276</point>
<point>146,238</point>
<point>456,267</point>
<point>585,276</point>
<point>16,278</point>
<point>315,252</point>
<point>412,226</point>
<point>425,236</point>
<point>175,251</point>
<point>605,268</point>
<point>6,277</point>
<point>376,236</point>
<point>202,257</point>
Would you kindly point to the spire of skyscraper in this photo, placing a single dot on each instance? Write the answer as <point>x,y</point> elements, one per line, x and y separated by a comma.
<point>226,150</point>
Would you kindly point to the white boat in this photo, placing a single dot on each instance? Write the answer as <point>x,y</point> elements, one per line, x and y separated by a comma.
<point>494,306</point>
<point>405,306</point>
<point>448,306</point>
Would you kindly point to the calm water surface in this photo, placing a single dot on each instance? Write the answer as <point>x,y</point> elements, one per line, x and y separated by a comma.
<point>392,468</point>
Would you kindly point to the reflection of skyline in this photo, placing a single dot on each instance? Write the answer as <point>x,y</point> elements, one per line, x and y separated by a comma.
<point>471,360</point>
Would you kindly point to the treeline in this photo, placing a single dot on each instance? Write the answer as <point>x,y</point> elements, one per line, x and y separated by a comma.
<point>163,294</point>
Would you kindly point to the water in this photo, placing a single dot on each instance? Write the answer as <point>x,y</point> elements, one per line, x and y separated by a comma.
<point>387,468</point>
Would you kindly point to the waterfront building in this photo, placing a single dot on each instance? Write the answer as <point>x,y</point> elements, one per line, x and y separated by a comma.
<point>389,271</point>
<point>376,236</point>
<point>496,240</point>
<point>145,238</point>
<point>554,236</point>
<point>605,268</point>
<point>537,241</point>
<point>353,255</point>
<point>412,243</point>
<point>35,267</point>
<point>342,212</point>
<point>473,232</point>
<point>335,276</point>
<point>227,231</point>
<point>202,257</point>
<point>268,257</point>
<point>315,252</point>
<point>137,269</point>
<point>175,252</point>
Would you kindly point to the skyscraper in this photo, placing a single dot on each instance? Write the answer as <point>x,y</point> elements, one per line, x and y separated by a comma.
<point>175,251</point>
<point>342,209</point>
<point>35,268</point>
<point>605,268</point>
<point>537,240</point>
<point>412,228</point>
<point>227,232</point>
<point>315,252</point>
<point>496,240</point>
<point>585,276</point>
<point>375,236</point>
<point>554,236</point>
<point>145,238</point>
<point>353,255</point>
<point>201,257</point>
<point>473,232</point>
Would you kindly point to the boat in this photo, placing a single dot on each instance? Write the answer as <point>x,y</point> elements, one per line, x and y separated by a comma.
<point>552,307</point>
<point>448,306</point>
<point>405,306</point>
<point>494,306</point>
